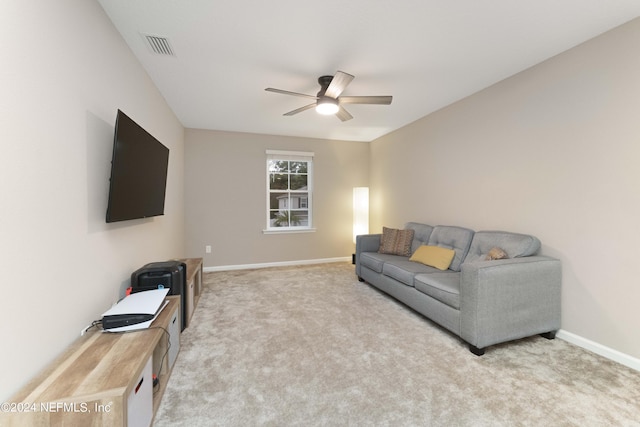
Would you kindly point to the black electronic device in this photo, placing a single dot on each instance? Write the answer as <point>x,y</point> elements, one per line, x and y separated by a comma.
<point>121,320</point>
<point>134,311</point>
<point>138,173</point>
<point>171,275</point>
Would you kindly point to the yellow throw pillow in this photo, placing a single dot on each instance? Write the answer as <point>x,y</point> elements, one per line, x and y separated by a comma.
<point>433,256</point>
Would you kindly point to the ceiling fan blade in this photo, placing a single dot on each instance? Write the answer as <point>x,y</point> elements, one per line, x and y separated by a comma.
<point>382,100</point>
<point>339,82</point>
<point>343,115</point>
<point>286,92</point>
<point>300,110</point>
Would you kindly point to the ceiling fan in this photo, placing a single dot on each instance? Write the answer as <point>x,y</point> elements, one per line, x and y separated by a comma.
<point>328,100</point>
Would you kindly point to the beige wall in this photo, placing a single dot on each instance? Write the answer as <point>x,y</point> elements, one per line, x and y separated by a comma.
<point>65,71</point>
<point>225,198</point>
<point>553,151</point>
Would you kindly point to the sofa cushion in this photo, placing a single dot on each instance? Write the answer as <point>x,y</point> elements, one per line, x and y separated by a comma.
<point>445,287</point>
<point>450,237</point>
<point>375,260</point>
<point>421,234</point>
<point>396,242</point>
<point>404,270</point>
<point>433,256</point>
<point>514,244</point>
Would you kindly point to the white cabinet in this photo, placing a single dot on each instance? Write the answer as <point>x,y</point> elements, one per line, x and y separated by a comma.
<point>174,338</point>
<point>140,399</point>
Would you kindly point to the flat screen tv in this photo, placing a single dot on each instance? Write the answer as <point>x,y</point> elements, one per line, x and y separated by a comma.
<point>138,173</point>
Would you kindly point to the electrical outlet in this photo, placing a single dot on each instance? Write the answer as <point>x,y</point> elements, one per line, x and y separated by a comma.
<point>207,249</point>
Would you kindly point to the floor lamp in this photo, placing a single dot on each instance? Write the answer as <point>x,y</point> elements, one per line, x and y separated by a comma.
<point>360,214</point>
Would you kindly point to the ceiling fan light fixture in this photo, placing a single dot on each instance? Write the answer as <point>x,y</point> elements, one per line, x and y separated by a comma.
<point>327,106</point>
<point>328,100</point>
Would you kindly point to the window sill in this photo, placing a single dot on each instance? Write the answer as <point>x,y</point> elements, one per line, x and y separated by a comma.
<point>289,231</point>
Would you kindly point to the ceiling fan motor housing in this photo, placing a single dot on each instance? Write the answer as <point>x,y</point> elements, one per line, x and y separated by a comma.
<point>324,82</point>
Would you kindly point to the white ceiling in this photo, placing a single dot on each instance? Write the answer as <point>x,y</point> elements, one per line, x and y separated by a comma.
<point>426,53</point>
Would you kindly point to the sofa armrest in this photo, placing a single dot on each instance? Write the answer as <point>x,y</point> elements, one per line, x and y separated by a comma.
<point>508,299</point>
<point>366,243</point>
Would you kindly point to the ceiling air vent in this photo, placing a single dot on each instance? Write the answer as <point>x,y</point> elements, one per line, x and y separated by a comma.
<point>159,45</point>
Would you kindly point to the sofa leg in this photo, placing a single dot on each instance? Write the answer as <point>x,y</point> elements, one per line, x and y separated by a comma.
<point>549,335</point>
<point>360,279</point>
<point>475,350</point>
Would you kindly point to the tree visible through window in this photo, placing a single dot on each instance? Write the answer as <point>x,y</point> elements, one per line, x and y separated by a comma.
<point>289,190</point>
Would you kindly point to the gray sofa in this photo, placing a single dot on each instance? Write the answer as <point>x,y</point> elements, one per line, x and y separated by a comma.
<point>483,302</point>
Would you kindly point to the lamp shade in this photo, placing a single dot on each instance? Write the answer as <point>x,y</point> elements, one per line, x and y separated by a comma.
<point>327,105</point>
<point>360,211</point>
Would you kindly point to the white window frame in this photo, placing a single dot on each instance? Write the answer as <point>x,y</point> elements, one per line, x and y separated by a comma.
<point>299,156</point>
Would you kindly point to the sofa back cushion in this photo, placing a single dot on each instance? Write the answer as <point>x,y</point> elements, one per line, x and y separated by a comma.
<point>514,244</point>
<point>450,237</point>
<point>421,234</point>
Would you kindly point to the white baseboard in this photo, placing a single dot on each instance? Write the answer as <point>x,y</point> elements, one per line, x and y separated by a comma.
<point>609,353</point>
<point>275,264</point>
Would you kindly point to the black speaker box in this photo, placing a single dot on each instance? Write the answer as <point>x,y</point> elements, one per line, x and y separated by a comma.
<point>170,275</point>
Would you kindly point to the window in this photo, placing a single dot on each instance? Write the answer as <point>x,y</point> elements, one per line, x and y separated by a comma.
<point>289,190</point>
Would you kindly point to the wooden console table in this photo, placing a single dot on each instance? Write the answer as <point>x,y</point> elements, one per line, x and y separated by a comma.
<point>103,379</point>
<point>106,379</point>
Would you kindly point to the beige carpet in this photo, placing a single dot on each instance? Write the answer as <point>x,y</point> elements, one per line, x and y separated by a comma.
<point>312,346</point>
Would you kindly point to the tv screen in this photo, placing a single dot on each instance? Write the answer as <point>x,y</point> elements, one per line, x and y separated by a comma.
<point>138,173</point>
